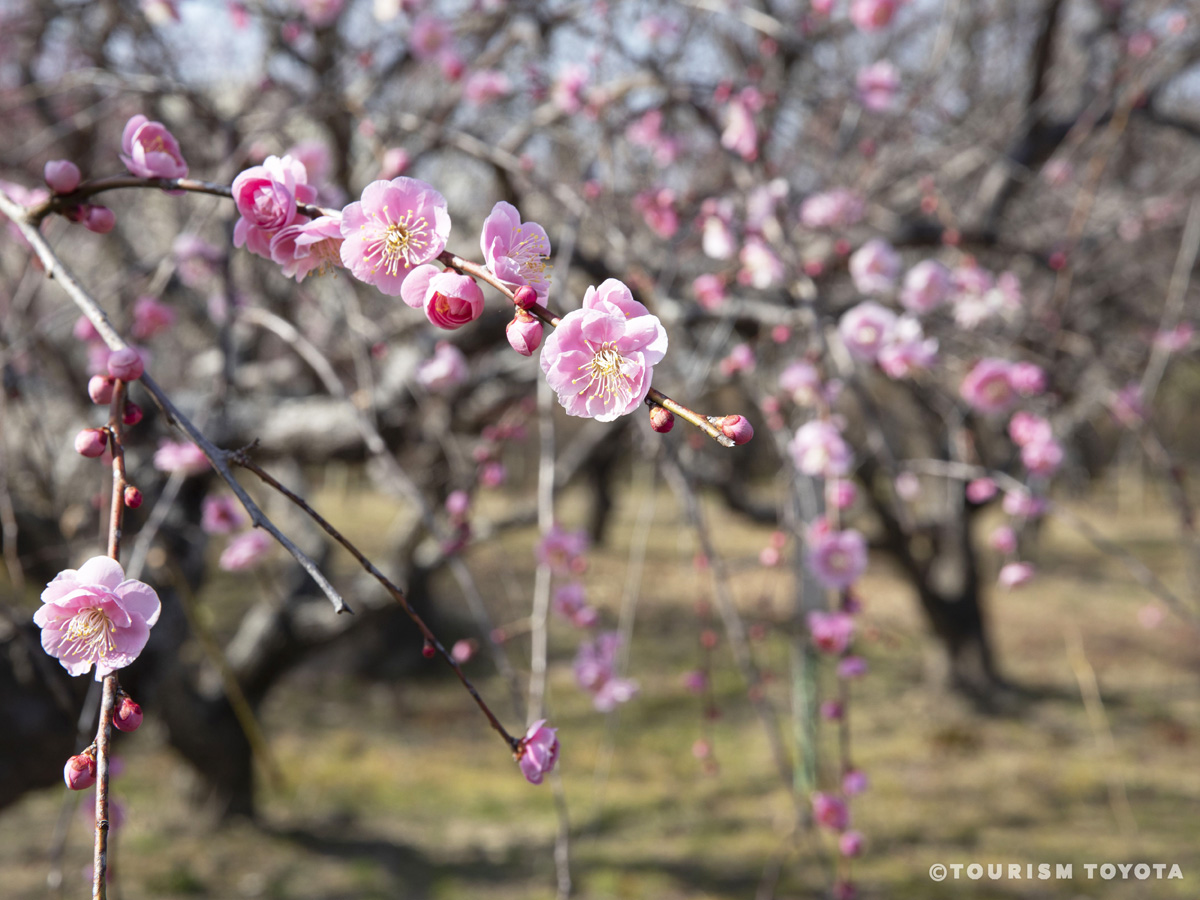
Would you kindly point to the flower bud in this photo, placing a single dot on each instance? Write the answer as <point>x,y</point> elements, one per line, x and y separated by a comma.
<point>524,333</point>
<point>850,843</point>
<point>62,175</point>
<point>100,388</point>
<point>128,715</point>
<point>737,428</point>
<point>91,442</point>
<point>427,650</point>
<point>100,219</point>
<point>133,414</point>
<point>133,497</point>
<point>80,772</point>
<point>661,420</point>
<point>525,297</point>
<point>125,364</point>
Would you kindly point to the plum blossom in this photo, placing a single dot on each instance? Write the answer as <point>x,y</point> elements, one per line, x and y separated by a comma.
<point>184,457</point>
<point>1026,428</point>
<point>446,369</point>
<point>1042,457</point>
<point>537,751</point>
<point>430,37</point>
<point>872,15</point>
<point>149,150</point>
<point>450,300</point>
<point>595,671</point>
<point>988,387</point>
<point>874,267</point>
<point>907,349</point>
<point>658,210</point>
<point>866,330</point>
<point>819,449</point>
<point>570,602</point>
<point>926,287</point>
<point>830,811</point>
<point>740,136</point>
<point>1028,379</point>
<point>600,359</point>
<point>1014,574</point>
<point>321,13</point>
<point>850,844</point>
<point>220,514</point>
<point>95,616</point>
<point>837,558</point>
<point>485,86</point>
<point>245,551</point>
<point>709,290</point>
<point>396,226</point>
<point>877,85</point>
<point>837,208</point>
<point>524,333</point>
<point>563,550</point>
<point>761,267</point>
<point>196,259</point>
<point>61,175</point>
<point>266,197</point>
<point>801,381</point>
<point>716,237</point>
<point>567,91</point>
<point>304,247</point>
<point>516,251</point>
<point>150,317</point>
<point>851,667</point>
<point>981,490</point>
<point>831,631</point>
<point>740,359</point>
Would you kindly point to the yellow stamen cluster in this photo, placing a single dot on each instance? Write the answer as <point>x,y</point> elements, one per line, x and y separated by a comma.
<point>605,376</point>
<point>89,634</point>
<point>400,244</point>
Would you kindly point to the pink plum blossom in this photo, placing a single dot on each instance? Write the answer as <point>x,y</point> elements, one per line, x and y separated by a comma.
<point>125,364</point>
<point>988,386</point>
<point>874,267</point>
<point>1026,428</point>
<point>485,86</point>
<point>537,752</point>
<point>221,514</point>
<point>1127,406</point>
<point>761,267</point>
<point>831,632</point>
<point>850,844</point>
<point>321,13</point>
<point>981,490</point>
<point>926,287</point>
<point>908,486</point>
<point>837,208</point>
<point>1042,457</point>
<point>395,161</point>
<point>266,197</point>
<point>446,369</point>
<point>877,85</point>
<point>658,210</point>
<point>96,616</point>
<point>740,359</point>
<point>450,300</point>
<point>196,259</point>
<point>101,219</point>
<point>567,91</point>
<point>91,442</point>
<point>1028,379</point>
<point>854,782</point>
<point>851,667</point>
<point>842,493</point>
<point>184,457</point>
<point>302,247</point>
<point>837,558</point>
<point>430,37</point>
<point>570,602</point>
<point>62,175</point>
<point>709,290</point>
<point>149,150</point>
<point>830,811</point>
<point>150,317</point>
<point>245,551</point>
<point>906,349</point>
<point>1014,574</point>
<point>1022,504</point>
<point>396,226</point>
<point>80,772</point>
<point>818,449</point>
<point>866,330</point>
<point>516,251</point>
<point>872,15</point>
<point>562,550</point>
<point>716,238</point>
<point>739,135</point>
<point>737,428</point>
<point>801,381</point>
<point>600,359</point>
<point>595,671</point>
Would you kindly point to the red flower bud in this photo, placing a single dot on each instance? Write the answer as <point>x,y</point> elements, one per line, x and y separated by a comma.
<point>661,420</point>
<point>428,650</point>
<point>524,333</point>
<point>525,297</point>
<point>91,442</point>
<point>125,364</point>
<point>133,497</point>
<point>80,772</point>
<point>62,175</point>
<point>100,219</point>
<point>128,715</point>
<point>133,414</point>
<point>737,428</point>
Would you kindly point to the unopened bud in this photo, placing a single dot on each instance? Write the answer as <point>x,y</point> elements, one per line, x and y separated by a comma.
<point>80,772</point>
<point>128,715</point>
<point>133,414</point>
<point>661,420</point>
<point>125,364</point>
<point>737,428</point>
<point>91,442</point>
<point>525,297</point>
<point>524,333</point>
<point>100,388</point>
<point>133,497</point>
<point>62,175</point>
<point>428,650</point>
<point>100,219</point>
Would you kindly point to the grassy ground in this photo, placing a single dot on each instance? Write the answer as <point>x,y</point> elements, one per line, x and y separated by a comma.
<point>402,791</point>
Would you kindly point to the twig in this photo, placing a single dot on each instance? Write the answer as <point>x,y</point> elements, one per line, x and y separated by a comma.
<point>103,733</point>
<point>241,459</point>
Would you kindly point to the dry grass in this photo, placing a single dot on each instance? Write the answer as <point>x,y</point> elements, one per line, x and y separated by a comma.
<point>400,790</point>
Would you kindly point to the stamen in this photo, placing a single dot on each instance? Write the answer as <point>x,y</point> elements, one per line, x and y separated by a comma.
<point>605,376</point>
<point>89,634</point>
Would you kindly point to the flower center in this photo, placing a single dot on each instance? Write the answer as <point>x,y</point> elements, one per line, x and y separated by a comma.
<point>605,378</point>
<point>403,242</point>
<point>90,633</point>
<point>530,255</point>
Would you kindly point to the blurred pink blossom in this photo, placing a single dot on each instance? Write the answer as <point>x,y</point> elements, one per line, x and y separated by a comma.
<point>801,381</point>
<point>988,386</point>
<point>709,290</point>
<point>874,267</point>
<point>537,751</point>
<point>245,551</point>
<point>866,330</point>
<point>830,811</point>
<point>906,349</point>
<point>221,514</point>
<point>1014,574</point>
<point>657,207</point>
<point>761,267</point>
<point>877,85</point>
<point>818,449</point>
<point>836,208</point>
<point>872,15</point>
<point>485,86</point>
<point>926,287</point>
<point>443,371</point>
<point>837,558</point>
<point>184,457</point>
